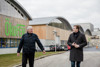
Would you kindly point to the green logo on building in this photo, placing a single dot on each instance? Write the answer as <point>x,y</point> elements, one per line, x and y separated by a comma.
<point>11,30</point>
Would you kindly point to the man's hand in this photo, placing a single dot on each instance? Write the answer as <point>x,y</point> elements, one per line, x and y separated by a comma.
<point>76,46</point>
<point>18,54</point>
<point>73,44</point>
<point>44,52</point>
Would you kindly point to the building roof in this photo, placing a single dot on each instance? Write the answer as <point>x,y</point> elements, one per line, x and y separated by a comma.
<point>84,23</point>
<point>86,26</point>
<point>16,3</point>
<point>47,20</point>
<point>88,32</point>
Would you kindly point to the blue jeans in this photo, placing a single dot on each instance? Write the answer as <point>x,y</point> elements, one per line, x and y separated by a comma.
<point>77,63</point>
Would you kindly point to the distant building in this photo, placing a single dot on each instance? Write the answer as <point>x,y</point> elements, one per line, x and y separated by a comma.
<point>86,26</point>
<point>51,30</point>
<point>96,32</point>
<point>96,29</point>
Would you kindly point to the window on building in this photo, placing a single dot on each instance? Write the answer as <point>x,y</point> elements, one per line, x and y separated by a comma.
<point>57,23</point>
<point>4,42</point>
<point>0,43</point>
<point>16,43</point>
<point>63,42</point>
<point>8,43</point>
<point>12,43</point>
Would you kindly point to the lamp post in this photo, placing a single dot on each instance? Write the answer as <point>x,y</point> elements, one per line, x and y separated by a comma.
<point>55,35</point>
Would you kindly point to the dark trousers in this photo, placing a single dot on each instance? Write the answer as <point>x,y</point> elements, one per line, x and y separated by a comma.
<point>29,56</point>
<point>77,63</point>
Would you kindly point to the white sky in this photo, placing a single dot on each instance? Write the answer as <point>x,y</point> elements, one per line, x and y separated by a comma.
<point>75,11</point>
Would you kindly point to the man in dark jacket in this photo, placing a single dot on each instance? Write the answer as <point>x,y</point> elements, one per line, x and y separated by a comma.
<point>76,41</point>
<point>28,44</point>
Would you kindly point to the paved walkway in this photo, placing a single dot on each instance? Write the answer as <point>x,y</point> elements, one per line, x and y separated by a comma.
<point>91,59</point>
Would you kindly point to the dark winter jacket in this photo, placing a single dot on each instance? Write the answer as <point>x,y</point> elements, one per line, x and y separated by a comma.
<point>76,54</point>
<point>28,43</point>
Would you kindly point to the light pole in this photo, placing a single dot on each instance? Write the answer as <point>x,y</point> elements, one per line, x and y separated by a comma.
<point>55,35</point>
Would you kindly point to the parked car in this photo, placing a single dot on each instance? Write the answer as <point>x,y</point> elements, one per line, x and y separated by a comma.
<point>47,48</point>
<point>63,47</point>
<point>52,47</point>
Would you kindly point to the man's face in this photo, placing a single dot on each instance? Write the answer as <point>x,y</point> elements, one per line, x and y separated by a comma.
<point>30,30</point>
<point>75,29</point>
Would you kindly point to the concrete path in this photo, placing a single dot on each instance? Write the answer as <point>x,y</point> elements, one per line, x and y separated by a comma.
<point>91,59</point>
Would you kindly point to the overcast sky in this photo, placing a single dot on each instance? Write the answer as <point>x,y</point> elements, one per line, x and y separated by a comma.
<point>75,11</point>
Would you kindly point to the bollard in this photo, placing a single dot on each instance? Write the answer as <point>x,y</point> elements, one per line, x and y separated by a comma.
<point>96,47</point>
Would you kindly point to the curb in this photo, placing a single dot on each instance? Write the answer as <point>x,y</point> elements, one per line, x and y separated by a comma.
<point>41,58</point>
